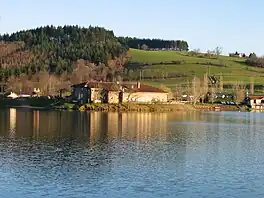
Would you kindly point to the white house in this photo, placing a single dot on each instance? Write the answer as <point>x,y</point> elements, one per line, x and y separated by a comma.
<point>257,102</point>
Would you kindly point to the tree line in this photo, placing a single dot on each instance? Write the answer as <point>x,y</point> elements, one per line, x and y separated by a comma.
<point>254,61</point>
<point>145,44</point>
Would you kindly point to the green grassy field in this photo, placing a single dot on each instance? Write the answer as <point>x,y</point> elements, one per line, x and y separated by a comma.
<point>234,69</point>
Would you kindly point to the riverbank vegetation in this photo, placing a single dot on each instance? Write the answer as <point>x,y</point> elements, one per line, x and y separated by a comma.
<point>131,107</point>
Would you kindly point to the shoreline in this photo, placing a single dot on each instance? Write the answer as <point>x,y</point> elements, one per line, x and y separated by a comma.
<point>133,107</point>
<point>126,107</point>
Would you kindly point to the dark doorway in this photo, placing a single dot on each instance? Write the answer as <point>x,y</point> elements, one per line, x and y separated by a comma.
<point>104,95</point>
<point>120,97</point>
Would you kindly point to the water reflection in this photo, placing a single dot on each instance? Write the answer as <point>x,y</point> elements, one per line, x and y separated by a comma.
<point>97,126</point>
<point>182,154</point>
<point>94,126</point>
<point>12,122</point>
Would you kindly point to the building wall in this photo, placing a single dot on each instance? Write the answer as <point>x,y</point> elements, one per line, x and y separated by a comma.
<point>113,97</point>
<point>81,94</point>
<point>96,95</point>
<point>255,102</point>
<point>145,97</point>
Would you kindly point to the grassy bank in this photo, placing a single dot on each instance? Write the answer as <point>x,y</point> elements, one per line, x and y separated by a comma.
<point>132,107</point>
<point>128,107</point>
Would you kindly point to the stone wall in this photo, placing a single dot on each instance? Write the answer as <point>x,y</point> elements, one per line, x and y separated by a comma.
<point>96,95</point>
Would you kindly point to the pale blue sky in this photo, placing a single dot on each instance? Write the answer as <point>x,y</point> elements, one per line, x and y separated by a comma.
<point>231,24</point>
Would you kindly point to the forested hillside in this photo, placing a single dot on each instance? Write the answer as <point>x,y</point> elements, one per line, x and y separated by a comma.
<point>56,48</point>
<point>152,44</point>
<point>52,58</point>
<point>72,52</point>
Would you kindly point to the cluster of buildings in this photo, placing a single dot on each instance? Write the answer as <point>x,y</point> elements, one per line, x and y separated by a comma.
<point>117,92</point>
<point>123,92</point>
<point>237,54</point>
<point>256,102</point>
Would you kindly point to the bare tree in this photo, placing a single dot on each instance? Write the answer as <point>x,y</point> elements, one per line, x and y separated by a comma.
<point>168,90</point>
<point>221,83</point>
<point>178,91</point>
<point>197,50</point>
<point>210,53</point>
<point>12,84</point>
<point>205,85</point>
<point>144,47</point>
<point>218,51</point>
<point>252,86</point>
<point>196,89</point>
<point>188,88</point>
<point>83,71</point>
<point>240,90</point>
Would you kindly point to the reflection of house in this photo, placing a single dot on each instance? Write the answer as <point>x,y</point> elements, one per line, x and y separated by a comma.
<point>111,92</point>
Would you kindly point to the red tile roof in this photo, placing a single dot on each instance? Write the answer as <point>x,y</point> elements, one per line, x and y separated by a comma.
<point>256,97</point>
<point>142,88</point>
<point>112,86</point>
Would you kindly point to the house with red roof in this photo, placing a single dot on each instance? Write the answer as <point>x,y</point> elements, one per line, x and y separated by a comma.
<point>117,92</point>
<point>257,102</point>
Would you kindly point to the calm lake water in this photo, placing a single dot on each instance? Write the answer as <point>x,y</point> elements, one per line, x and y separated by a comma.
<point>73,154</point>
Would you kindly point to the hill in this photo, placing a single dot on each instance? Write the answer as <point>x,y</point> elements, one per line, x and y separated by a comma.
<point>173,67</point>
<point>52,58</point>
<point>28,58</point>
<point>56,48</point>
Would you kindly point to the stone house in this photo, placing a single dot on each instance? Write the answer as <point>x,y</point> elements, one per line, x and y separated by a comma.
<point>115,92</point>
<point>256,102</point>
<point>142,93</point>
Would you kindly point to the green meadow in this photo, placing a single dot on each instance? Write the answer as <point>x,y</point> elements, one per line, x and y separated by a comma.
<point>159,68</point>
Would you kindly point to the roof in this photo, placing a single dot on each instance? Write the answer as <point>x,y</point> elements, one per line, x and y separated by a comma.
<point>256,97</point>
<point>110,86</point>
<point>113,86</point>
<point>143,88</point>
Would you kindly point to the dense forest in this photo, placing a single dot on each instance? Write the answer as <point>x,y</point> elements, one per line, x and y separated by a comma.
<point>152,44</point>
<point>56,48</point>
<point>69,54</point>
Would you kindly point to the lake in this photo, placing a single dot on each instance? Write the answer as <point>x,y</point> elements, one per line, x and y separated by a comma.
<point>80,154</point>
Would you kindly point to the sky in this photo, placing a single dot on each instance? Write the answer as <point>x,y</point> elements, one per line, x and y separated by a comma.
<point>234,25</point>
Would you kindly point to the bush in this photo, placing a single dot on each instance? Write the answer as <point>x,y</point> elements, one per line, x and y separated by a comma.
<point>255,62</point>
